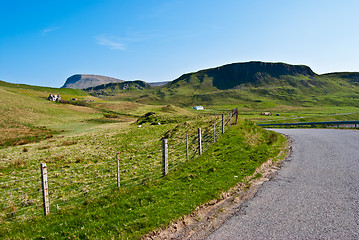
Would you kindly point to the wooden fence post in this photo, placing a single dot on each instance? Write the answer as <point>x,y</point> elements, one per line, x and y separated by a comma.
<point>236,116</point>
<point>118,170</point>
<point>199,141</point>
<point>164,157</point>
<point>222,123</point>
<point>45,189</point>
<point>214,132</point>
<point>187,146</point>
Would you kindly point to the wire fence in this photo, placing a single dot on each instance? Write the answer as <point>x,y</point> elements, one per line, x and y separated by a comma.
<point>22,198</point>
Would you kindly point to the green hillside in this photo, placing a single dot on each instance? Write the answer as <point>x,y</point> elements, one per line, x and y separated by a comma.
<point>42,91</point>
<point>111,89</point>
<point>255,84</point>
<point>26,115</point>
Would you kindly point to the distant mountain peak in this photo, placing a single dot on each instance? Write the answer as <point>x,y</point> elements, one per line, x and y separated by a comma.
<point>82,81</point>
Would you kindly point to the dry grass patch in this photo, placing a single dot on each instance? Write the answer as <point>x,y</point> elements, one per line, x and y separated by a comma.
<point>20,135</point>
<point>17,163</point>
<point>68,143</point>
<point>43,147</point>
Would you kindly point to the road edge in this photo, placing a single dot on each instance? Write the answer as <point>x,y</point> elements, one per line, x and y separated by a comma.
<point>211,215</point>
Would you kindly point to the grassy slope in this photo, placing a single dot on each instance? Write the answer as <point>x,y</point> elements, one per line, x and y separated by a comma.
<point>130,213</point>
<point>267,92</point>
<point>24,114</point>
<point>28,104</point>
<point>287,90</point>
<point>298,98</point>
<point>43,91</point>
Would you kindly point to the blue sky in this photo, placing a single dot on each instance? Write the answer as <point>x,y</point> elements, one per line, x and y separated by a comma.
<point>44,42</point>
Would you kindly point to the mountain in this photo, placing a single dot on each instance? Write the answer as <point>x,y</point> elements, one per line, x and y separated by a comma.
<point>82,81</point>
<point>256,84</point>
<point>111,89</point>
<point>262,84</point>
<point>232,75</point>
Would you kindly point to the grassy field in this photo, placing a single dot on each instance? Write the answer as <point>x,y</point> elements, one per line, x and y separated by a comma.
<point>79,141</point>
<point>133,211</point>
<point>44,92</point>
<point>25,116</point>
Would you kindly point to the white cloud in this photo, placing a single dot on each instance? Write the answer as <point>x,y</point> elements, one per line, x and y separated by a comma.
<point>47,30</point>
<point>112,44</point>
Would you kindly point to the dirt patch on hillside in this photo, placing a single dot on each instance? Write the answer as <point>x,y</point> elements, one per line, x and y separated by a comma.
<point>20,135</point>
<point>210,216</point>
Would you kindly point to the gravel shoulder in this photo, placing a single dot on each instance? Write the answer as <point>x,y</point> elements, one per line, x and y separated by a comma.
<point>314,196</point>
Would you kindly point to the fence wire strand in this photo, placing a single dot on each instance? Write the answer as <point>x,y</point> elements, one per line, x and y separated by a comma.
<point>69,186</point>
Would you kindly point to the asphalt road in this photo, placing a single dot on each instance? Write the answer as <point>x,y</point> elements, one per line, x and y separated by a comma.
<point>314,196</point>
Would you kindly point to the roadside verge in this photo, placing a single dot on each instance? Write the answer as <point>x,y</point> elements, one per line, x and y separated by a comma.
<point>211,215</point>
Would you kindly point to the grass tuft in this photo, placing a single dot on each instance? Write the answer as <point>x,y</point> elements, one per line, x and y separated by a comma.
<point>17,163</point>
<point>68,143</point>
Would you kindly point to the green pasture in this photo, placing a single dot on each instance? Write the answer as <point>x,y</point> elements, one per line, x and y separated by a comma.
<point>79,140</point>
<point>129,213</point>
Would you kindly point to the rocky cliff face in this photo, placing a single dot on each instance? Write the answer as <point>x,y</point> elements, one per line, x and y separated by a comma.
<point>232,75</point>
<point>82,81</point>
